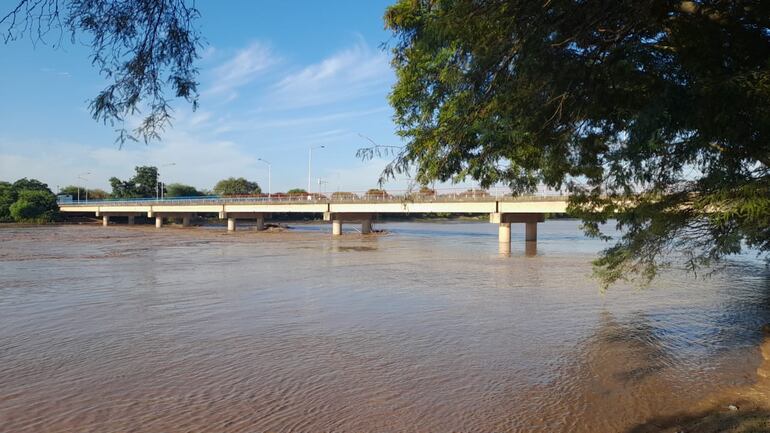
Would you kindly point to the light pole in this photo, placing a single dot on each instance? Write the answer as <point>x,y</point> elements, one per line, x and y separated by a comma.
<point>159,184</point>
<point>269,178</point>
<point>321,185</point>
<point>309,159</point>
<point>80,176</point>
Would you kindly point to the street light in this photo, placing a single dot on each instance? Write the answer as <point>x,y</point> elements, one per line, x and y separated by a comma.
<point>269,176</point>
<point>321,184</point>
<point>309,159</point>
<point>80,176</point>
<point>159,184</point>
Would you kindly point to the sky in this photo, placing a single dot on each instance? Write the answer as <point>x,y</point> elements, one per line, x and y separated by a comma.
<point>276,78</point>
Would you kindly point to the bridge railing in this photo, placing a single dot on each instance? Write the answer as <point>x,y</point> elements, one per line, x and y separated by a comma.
<point>438,196</point>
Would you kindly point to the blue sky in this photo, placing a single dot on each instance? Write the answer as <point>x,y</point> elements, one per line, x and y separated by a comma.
<point>276,78</point>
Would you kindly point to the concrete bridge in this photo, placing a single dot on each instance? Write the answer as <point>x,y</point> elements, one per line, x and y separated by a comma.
<point>502,210</point>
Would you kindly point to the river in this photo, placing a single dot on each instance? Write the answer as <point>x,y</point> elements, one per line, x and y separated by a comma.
<point>424,329</point>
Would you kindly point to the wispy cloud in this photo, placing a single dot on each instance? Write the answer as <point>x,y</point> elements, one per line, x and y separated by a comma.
<point>349,74</point>
<point>56,72</point>
<point>293,121</point>
<point>241,69</point>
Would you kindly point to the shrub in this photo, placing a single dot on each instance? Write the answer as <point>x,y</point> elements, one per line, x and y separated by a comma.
<point>34,206</point>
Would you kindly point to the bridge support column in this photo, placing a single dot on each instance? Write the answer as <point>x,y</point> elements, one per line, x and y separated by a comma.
<point>530,234</point>
<point>504,233</point>
<point>158,221</point>
<point>186,221</point>
<point>105,220</point>
<point>130,220</point>
<point>338,218</point>
<point>366,227</point>
<point>260,222</point>
<point>231,224</point>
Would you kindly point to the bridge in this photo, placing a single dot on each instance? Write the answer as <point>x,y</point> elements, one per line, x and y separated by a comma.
<point>502,210</point>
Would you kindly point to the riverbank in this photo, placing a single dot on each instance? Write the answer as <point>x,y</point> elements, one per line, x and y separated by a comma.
<point>740,410</point>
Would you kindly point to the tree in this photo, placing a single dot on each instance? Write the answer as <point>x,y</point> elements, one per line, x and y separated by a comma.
<point>7,198</point>
<point>143,184</point>
<point>653,113</point>
<point>25,184</point>
<point>378,193</point>
<point>34,205</point>
<point>236,186</point>
<point>426,192</point>
<point>343,195</point>
<point>296,191</point>
<point>181,190</point>
<point>71,190</point>
<point>98,194</point>
<point>140,46</point>
<point>93,193</point>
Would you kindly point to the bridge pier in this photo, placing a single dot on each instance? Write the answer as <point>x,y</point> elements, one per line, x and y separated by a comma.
<point>504,233</point>
<point>530,232</point>
<point>504,220</point>
<point>230,224</point>
<point>105,220</point>
<point>186,220</point>
<point>338,218</point>
<point>366,227</point>
<point>158,221</point>
<point>260,222</point>
<point>130,220</point>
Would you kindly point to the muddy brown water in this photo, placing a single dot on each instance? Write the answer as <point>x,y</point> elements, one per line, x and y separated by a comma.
<point>426,329</point>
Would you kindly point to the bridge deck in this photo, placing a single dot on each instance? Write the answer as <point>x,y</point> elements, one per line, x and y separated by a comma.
<point>522,204</point>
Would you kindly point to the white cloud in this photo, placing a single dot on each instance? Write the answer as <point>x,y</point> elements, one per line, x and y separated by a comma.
<point>241,69</point>
<point>263,122</point>
<point>349,74</point>
<point>197,161</point>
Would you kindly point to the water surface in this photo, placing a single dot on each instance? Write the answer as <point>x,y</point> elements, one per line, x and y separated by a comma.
<point>426,329</point>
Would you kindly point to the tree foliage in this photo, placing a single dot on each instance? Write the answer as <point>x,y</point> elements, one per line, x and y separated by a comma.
<point>143,184</point>
<point>140,46</point>
<point>93,193</point>
<point>236,186</point>
<point>653,113</point>
<point>34,206</point>
<point>296,191</point>
<point>181,190</point>
<point>8,196</point>
<point>27,200</point>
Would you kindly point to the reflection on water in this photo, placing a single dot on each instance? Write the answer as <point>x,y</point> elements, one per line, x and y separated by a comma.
<point>426,329</point>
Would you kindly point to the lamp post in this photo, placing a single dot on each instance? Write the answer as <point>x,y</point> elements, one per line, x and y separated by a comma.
<point>321,184</point>
<point>159,184</point>
<point>269,177</point>
<point>81,176</point>
<point>309,159</point>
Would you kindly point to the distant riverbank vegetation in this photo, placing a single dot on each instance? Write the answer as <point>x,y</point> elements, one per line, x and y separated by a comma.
<point>27,200</point>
